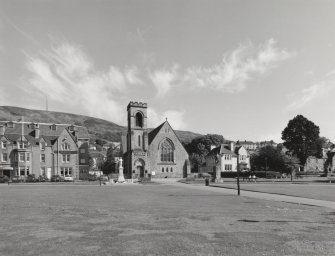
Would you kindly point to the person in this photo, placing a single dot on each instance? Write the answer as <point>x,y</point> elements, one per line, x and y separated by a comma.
<point>254,177</point>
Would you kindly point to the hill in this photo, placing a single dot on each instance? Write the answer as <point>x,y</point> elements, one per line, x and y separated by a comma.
<point>98,128</point>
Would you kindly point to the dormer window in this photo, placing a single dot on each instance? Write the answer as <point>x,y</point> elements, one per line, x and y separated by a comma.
<point>22,144</point>
<point>65,146</point>
<point>42,145</point>
<point>3,144</point>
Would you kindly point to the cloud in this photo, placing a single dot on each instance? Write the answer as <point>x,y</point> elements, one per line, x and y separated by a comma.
<point>174,117</point>
<point>305,96</point>
<point>231,75</point>
<point>163,79</point>
<point>237,68</point>
<point>67,75</point>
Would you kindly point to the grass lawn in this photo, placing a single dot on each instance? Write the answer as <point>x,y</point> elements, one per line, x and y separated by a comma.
<point>156,220</point>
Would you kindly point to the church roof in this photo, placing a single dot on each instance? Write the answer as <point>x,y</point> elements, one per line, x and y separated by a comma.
<point>154,132</point>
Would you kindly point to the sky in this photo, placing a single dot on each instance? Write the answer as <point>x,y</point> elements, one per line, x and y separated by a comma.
<point>241,69</point>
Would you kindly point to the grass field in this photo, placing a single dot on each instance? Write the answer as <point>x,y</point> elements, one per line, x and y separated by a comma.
<point>156,220</point>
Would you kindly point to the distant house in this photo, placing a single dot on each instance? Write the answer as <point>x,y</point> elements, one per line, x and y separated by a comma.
<point>249,145</point>
<point>314,164</point>
<point>226,158</point>
<point>43,149</point>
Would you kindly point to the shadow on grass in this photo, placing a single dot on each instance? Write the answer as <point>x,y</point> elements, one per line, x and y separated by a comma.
<point>283,221</point>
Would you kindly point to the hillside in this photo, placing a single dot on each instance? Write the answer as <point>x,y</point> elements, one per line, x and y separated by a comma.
<point>97,127</point>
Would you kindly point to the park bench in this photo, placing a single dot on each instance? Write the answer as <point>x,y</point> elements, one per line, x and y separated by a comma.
<point>331,179</point>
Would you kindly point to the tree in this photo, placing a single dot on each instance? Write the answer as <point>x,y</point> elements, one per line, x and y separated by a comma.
<point>268,158</point>
<point>273,159</point>
<point>301,137</point>
<point>199,147</point>
<point>109,165</point>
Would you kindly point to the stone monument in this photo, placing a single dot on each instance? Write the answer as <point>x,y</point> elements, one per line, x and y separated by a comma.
<point>121,177</point>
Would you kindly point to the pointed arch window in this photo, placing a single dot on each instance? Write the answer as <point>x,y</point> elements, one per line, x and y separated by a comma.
<point>167,151</point>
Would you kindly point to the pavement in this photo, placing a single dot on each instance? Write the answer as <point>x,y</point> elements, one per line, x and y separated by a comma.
<point>253,194</point>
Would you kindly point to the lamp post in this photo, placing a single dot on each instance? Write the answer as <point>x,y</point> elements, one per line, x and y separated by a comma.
<point>238,180</point>
<point>266,167</point>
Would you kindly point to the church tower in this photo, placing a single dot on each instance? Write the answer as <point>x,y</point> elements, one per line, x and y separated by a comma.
<point>136,161</point>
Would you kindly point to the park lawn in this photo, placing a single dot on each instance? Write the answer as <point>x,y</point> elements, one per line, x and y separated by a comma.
<point>156,220</point>
<point>308,190</point>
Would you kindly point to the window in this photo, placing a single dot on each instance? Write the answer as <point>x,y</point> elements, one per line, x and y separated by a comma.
<point>139,140</point>
<point>171,170</point>
<point>139,119</point>
<point>227,157</point>
<point>42,146</point>
<point>43,158</point>
<point>27,157</point>
<point>4,157</point>
<point>22,145</point>
<point>22,171</point>
<point>167,151</point>
<point>228,167</point>
<point>82,160</point>
<point>65,146</point>
<point>15,157</point>
<point>4,144</point>
<point>163,169</point>
<point>66,171</point>
<point>82,151</point>
<point>21,157</point>
<point>65,158</point>
<point>167,169</point>
<point>42,171</point>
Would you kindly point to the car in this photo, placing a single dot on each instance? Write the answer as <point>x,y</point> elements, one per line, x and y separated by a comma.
<point>4,179</point>
<point>17,179</point>
<point>57,178</point>
<point>31,178</point>
<point>68,178</point>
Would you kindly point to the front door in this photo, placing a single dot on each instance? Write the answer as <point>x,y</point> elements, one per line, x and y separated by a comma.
<point>140,170</point>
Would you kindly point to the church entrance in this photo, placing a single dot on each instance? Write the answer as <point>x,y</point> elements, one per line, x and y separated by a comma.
<point>140,170</point>
<point>140,164</point>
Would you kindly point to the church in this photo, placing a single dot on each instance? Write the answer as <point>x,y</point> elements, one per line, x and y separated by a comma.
<point>155,154</point>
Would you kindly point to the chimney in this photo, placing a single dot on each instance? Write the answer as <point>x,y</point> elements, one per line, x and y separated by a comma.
<point>232,146</point>
<point>37,132</point>
<point>2,130</point>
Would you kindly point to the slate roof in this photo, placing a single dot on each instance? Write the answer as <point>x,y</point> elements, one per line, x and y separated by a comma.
<point>221,150</point>
<point>46,132</point>
<point>154,132</point>
<point>45,129</point>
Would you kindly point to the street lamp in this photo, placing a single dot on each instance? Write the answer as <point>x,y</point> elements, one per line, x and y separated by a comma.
<point>266,167</point>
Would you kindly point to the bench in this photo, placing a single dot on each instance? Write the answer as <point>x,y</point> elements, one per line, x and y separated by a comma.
<point>331,179</point>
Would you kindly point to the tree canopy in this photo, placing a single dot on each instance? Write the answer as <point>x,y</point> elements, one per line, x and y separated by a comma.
<point>273,159</point>
<point>301,136</point>
<point>199,147</point>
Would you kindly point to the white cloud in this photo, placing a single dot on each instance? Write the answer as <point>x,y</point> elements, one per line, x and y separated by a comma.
<point>229,76</point>
<point>66,75</point>
<point>174,117</point>
<point>237,68</point>
<point>305,96</point>
<point>163,79</point>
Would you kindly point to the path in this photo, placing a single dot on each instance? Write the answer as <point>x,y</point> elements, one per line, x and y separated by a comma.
<point>258,195</point>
